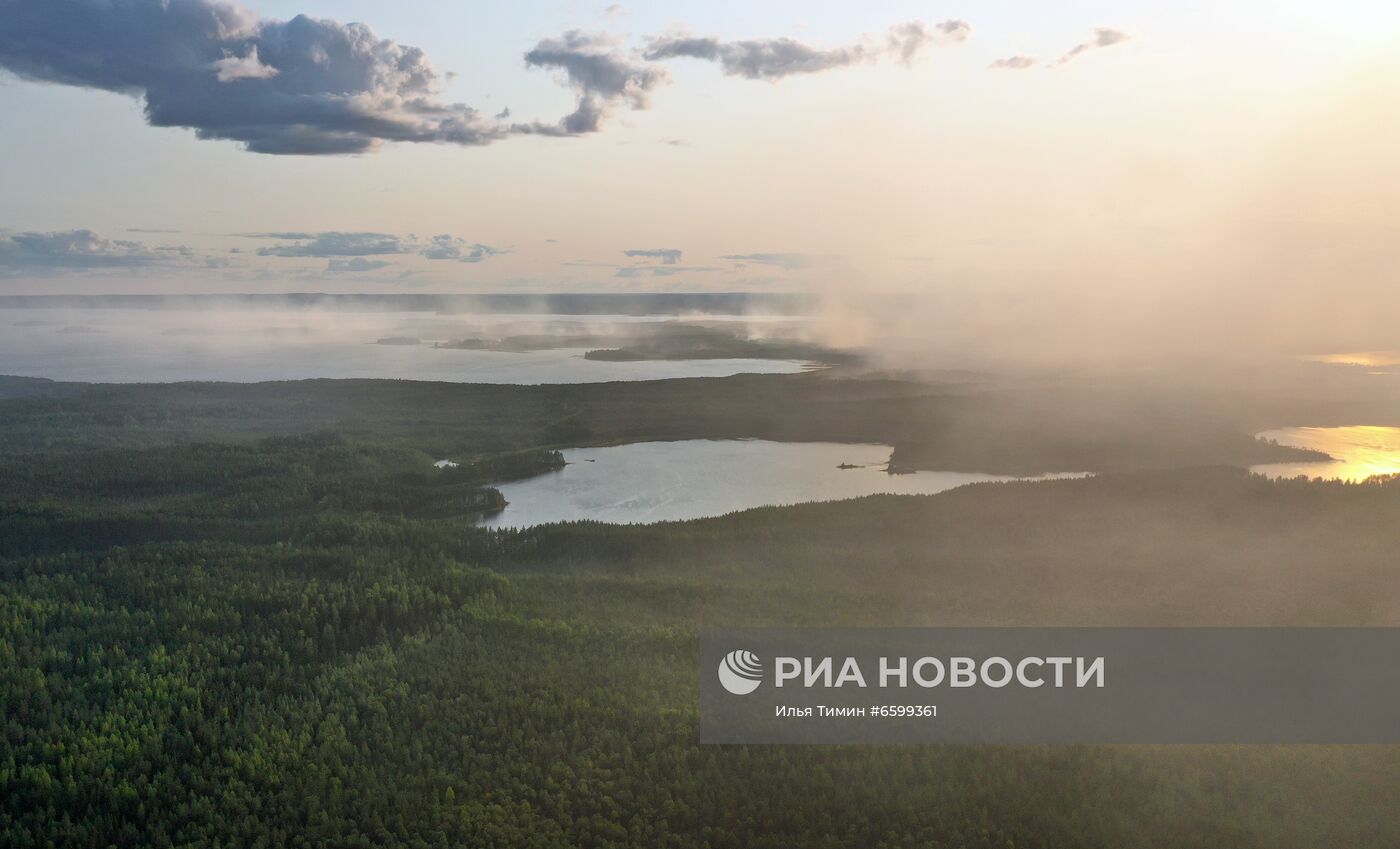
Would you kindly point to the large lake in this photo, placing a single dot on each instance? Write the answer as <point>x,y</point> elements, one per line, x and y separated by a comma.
<point>1357,452</point>
<point>248,345</point>
<point>664,481</point>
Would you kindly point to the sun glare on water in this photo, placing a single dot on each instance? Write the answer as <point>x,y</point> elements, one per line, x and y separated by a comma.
<point>1358,452</point>
<point>1368,359</point>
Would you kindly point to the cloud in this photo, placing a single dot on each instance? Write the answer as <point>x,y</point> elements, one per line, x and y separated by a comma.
<point>332,245</point>
<point>1014,63</point>
<point>600,74</point>
<point>660,270</point>
<point>335,244</point>
<point>775,58</point>
<point>304,86</point>
<point>1103,37</point>
<point>80,250</point>
<point>787,261</point>
<point>232,68</point>
<point>318,87</point>
<point>954,30</point>
<point>769,59</point>
<point>616,10</point>
<point>358,264</point>
<point>907,40</point>
<point>451,247</point>
<point>669,256</point>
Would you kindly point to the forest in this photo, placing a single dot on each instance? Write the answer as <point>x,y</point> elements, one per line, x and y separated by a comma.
<point>258,616</point>
<point>958,422</point>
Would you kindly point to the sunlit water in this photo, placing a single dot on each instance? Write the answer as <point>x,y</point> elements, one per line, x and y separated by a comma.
<point>1358,452</point>
<point>664,481</point>
<point>1368,359</point>
<point>1374,363</point>
<point>159,346</point>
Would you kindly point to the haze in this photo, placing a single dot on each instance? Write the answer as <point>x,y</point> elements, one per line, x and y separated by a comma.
<point>984,181</point>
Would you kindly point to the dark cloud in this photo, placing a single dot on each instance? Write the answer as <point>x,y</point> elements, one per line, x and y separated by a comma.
<point>358,264</point>
<point>788,261</point>
<point>1014,63</point>
<point>31,252</point>
<point>600,74</point>
<point>148,230</point>
<point>286,234</point>
<point>669,256</point>
<point>775,58</point>
<point>1103,37</point>
<point>336,245</point>
<point>303,86</point>
<point>312,86</point>
<point>451,247</point>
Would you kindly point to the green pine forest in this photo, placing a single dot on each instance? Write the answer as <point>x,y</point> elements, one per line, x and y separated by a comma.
<point>258,616</point>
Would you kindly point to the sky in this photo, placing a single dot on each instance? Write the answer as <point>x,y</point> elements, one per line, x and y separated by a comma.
<point>991,147</point>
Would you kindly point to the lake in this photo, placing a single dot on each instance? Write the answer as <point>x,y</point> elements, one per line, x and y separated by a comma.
<point>1358,452</point>
<point>249,345</point>
<point>1364,359</point>
<point>666,481</point>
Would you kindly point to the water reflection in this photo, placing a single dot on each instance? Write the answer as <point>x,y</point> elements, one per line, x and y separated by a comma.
<point>1369,359</point>
<point>246,345</point>
<point>1358,452</point>
<point>663,481</point>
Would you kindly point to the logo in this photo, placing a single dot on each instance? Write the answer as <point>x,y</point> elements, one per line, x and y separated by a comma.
<point>740,672</point>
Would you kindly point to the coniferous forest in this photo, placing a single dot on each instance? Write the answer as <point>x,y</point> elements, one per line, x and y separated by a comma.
<point>218,631</point>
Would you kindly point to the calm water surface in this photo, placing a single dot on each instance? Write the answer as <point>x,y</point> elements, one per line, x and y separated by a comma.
<point>663,481</point>
<point>1357,452</point>
<point>1367,359</point>
<point>159,346</point>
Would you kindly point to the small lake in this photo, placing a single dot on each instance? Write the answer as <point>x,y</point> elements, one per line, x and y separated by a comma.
<point>1358,452</point>
<point>666,481</point>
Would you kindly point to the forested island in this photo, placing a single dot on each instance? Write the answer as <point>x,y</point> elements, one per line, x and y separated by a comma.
<point>258,615</point>
<point>656,340</point>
